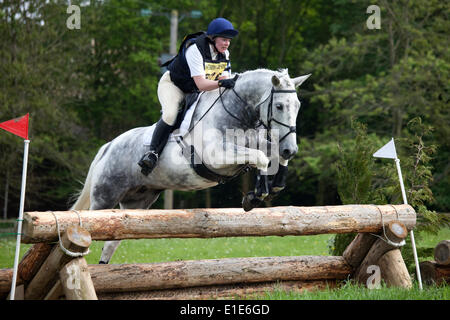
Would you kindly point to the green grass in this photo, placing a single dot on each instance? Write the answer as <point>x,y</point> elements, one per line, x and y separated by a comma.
<point>162,250</point>
<point>352,291</point>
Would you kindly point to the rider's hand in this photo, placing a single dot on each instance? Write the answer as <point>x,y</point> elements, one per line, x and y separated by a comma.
<point>228,83</point>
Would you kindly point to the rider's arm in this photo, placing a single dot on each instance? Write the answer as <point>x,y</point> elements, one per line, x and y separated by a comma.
<point>195,63</point>
<point>204,84</point>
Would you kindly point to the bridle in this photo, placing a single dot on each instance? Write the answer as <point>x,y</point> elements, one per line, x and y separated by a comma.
<point>270,118</point>
<point>247,120</point>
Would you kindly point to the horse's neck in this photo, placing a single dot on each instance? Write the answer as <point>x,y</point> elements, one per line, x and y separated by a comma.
<point>253,87</point>
<point>250,90</point>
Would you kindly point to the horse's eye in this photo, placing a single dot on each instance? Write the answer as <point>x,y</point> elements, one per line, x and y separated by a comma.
<point>279,106</point>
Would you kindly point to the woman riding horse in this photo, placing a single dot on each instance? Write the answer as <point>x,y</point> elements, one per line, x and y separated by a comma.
<point>204,66</point>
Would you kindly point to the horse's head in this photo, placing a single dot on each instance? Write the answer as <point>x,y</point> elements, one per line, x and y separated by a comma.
<point>279,112</point>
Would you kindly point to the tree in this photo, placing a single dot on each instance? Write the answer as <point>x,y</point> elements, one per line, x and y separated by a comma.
<point>38,74</point>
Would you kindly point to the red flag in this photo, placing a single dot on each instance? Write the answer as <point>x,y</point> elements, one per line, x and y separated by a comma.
<point>18,126</point>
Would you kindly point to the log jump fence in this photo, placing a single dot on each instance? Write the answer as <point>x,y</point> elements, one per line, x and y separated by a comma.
<point>438,270</point>
<point>47,272</point>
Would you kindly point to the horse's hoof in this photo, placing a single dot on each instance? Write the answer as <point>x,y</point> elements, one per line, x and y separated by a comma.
<point>250,201</point>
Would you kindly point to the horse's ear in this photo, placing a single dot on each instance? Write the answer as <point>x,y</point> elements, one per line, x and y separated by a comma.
<point>299,80</point>
<point>275,81</point>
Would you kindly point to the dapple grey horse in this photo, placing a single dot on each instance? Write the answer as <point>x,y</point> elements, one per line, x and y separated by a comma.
<point>261,100</point>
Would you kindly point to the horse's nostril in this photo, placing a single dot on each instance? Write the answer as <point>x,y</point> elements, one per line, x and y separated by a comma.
<point>288,153</point>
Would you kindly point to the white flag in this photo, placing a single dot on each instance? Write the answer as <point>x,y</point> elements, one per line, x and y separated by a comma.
<point>387,151</point>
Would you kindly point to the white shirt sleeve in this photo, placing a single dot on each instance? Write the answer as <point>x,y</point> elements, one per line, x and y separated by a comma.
<point>195,61</point>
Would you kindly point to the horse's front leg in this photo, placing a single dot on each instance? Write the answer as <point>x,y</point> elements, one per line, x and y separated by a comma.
<point>259,159</point>
<point>233,154</point>
<point>266,187</point>
<point>279,179</point>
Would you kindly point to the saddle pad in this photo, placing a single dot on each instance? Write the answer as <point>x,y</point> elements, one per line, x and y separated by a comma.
<point>184,127</point>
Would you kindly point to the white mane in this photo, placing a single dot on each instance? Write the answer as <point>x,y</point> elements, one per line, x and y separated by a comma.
<point>282,74</point>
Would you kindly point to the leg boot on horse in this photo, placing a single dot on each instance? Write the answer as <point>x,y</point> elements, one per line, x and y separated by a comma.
<point>254,198</point>
<point>266,188</point>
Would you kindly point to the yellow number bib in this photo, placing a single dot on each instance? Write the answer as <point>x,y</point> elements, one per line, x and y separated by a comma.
<point>214,70</point>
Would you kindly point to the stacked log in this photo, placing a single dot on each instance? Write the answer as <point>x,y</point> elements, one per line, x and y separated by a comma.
<point>437,271</point>
<point>48,272</point>
<point>369,253</point>
<point>112,224</point>
<point>46,268</point>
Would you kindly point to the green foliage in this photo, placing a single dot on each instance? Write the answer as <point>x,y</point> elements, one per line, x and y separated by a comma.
<point>84,87</point>
<point>354,172</point>
<point>354,169</point>
<point>418,178</point>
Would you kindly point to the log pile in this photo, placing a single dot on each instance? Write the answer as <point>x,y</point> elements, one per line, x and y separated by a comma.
<point>381,252</point>
<point>437,271</point>
<point>48,272</point>
<point>45,268</point>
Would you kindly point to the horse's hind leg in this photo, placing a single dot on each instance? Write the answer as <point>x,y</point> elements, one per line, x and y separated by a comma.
<point>111,246</point>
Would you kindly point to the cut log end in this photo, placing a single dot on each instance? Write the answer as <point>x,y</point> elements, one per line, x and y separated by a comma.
<point>79,237</point>
<point>398,229</point>
<point>442,253</point>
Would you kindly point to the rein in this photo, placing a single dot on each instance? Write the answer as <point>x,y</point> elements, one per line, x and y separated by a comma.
<point>247,120</point>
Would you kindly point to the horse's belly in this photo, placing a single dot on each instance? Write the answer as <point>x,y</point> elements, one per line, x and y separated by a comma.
<point>174,172</point>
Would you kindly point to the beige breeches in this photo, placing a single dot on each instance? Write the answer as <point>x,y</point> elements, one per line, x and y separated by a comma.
<point>170,97</point>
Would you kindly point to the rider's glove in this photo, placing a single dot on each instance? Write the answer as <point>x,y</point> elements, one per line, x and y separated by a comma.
<point>228,83</point>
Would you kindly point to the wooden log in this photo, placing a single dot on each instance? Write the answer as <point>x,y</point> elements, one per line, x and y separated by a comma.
<point>115,224</point>
<point>32,260</point>
<point>75,239</point>
<point>393,270</point>
<point>55,293</point>
<point>28,266</point>
<point>358,248</point>
<point>135,277</point>
<point>442,253</point>
<point>6,281</point>
<point>233,291</point>
<point>178,274</point>
<point>395,232</point>
<point>19,293</point>
<point>433,273</point>
<point>76,280</point>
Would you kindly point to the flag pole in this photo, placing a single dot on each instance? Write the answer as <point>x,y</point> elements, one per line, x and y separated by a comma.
<point>19,225</point>
<point>413,243</point>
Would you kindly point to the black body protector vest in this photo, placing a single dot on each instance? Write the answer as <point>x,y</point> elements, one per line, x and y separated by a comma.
<point>179,68</point>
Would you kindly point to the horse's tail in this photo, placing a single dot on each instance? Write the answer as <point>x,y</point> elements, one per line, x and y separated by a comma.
<point>84,199</point>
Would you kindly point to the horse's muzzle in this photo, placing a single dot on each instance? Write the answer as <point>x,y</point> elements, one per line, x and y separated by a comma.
<point>289,153</point>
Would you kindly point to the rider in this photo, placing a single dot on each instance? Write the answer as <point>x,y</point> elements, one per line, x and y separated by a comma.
<point>204,66</point>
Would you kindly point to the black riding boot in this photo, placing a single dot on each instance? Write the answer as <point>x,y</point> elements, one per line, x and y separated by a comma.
<point>159,140</point>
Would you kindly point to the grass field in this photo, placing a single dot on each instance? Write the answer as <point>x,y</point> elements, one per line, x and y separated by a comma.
<point>161,250</point>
